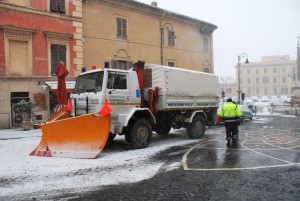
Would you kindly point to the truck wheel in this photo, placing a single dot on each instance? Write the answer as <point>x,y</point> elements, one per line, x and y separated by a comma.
<point>140,134</point>
<point>163,129</point>
<point>196,129</point>
<point>111,137</point>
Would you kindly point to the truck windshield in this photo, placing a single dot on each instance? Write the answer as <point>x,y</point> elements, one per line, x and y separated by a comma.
<point>91,82</point>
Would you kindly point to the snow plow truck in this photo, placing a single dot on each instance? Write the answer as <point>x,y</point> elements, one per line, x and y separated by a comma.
<point>145,98</point>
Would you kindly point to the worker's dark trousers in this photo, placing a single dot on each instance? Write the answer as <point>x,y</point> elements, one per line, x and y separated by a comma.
<point>232,130</point>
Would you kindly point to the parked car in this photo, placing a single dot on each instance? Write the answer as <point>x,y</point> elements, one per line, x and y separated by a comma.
<point>254,98</point>
<point>285,99</point>
<point>265,99</point>
<point>246,112</point>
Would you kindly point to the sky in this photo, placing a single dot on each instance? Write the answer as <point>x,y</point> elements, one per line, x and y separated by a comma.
<point>255,27</point>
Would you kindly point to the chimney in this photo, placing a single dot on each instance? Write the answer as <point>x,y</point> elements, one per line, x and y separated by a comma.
<point>154,4</point>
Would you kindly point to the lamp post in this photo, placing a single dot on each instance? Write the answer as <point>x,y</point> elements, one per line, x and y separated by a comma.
<point>166,25</point>
<point>242,55</point>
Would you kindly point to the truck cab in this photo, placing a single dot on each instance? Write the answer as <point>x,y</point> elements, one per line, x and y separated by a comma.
<point>119,87</point>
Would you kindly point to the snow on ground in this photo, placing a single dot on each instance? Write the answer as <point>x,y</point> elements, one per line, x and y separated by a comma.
<point>31,174</point>
<point>24,174</point>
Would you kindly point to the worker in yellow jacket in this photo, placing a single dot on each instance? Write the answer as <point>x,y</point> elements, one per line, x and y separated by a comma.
<point>231,115</point>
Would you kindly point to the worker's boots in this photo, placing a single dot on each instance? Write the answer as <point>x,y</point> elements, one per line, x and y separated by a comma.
<point>234,142</point>
<point>228,143</point>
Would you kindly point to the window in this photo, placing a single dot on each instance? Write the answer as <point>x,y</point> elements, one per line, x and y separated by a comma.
<point>265,80</point>
<point>249,91</point>
<point>257,90</point>
<point>58,53</point>
<point>205,44</point>
<point>274,80</point>
<point>266,90</point>
<point>284,80</point>
<point>57,6</point>
<point>171,38</point>
<point>265,70</point>
<point>116,81</point>
<point>206,70</point>
<point>283,69</point>
<point>274,70</point>
<point>121,28</point>
<point>275,90</point>
<point>171,64</point>
<point>17,2</point>
<point>284,91</point>
<point>120,64</point>
<point>257,71</point>
<point>18,48</point>
<point>248,71</point>
<point>89,82</point>
<point>249,81</point>
<point>257,80</point>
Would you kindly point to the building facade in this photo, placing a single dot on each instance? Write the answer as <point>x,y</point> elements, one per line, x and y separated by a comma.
<point>34,36</point>
<point>228,86</point>
<point>272,76</point>
<point>120,33</point>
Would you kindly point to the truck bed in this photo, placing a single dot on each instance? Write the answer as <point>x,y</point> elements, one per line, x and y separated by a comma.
<point>181,88</point>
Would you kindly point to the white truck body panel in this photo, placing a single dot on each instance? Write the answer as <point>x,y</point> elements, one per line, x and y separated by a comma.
<point>183,89</point>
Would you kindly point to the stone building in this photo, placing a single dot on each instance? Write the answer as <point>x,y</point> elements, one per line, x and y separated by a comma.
<point>272,76</point>
<point>34,36</point>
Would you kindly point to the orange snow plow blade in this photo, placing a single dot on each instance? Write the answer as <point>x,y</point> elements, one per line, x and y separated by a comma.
<point>62,114</point>
<point>76,137</point>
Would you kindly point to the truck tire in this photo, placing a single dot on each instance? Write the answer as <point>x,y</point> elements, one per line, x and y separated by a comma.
<point>111,137</point>
<point>196,129</point>
<point>140,134</point>
<point>163,129</point>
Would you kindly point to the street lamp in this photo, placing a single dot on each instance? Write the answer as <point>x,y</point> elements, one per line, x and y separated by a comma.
<point>167,25</point>
<point>242,55</point>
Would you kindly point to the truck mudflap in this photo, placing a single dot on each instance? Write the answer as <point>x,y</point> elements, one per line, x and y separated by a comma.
<point>77,137</point>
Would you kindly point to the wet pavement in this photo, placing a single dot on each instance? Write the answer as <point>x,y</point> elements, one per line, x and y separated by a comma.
<point>264,166</point>
<point>264,148</point>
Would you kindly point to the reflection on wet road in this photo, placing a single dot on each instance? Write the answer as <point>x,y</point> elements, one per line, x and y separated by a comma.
<point>259,147</point>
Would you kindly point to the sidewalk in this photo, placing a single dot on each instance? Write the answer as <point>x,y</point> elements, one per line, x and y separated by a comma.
<point>17,133</point>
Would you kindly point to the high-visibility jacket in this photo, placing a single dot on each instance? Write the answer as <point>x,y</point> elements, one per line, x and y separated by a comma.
<point>230,112</point>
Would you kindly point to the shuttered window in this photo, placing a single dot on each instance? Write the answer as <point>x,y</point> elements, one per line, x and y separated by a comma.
<point>121,28</point>
<point>123,65</point>
<point>58,53</point>
<point>205,44</point>
<point>58,6</point>
<point>171,38</point>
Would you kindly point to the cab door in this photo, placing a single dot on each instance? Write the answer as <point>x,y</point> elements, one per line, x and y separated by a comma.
<point>117,91</point>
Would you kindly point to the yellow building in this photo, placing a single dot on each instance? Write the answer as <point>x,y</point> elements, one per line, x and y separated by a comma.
<point>272,76</point>
<point>120,33</point>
